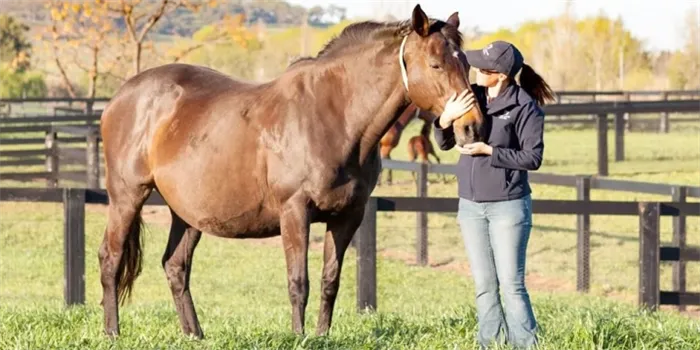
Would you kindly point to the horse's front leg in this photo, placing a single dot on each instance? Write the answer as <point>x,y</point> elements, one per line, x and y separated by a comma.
<point>339,232</point>
<point>294,225</point>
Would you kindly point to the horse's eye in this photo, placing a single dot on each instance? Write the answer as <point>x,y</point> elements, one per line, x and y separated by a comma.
<point>435,66</point>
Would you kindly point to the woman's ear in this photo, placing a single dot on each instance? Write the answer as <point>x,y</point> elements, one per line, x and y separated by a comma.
<point>502,77</point>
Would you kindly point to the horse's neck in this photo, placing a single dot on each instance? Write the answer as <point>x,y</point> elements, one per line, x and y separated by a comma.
<point>372,93</point>
<point>379,97</point>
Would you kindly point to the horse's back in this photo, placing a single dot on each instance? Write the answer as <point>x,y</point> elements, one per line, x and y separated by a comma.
<point>157,100</point>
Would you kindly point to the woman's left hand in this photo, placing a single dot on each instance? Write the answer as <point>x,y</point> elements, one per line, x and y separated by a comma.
<point>475,148</point>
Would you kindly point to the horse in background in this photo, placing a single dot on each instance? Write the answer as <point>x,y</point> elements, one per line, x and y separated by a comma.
<point>245,160</point>
<point>421,146</point>
<point>390,140</point>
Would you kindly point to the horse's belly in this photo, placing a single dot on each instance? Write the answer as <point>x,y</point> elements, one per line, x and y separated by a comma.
<point>249,224</point>
<point>219,195</point>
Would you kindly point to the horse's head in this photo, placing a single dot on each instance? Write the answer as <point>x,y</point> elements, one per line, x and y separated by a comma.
<point>432,69</point>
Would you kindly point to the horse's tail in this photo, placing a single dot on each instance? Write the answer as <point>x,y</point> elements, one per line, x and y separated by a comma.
<point>130,265</point>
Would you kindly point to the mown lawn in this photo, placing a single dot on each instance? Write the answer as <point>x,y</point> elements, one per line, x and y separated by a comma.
<point>672,158</point>
<point>239,288</point>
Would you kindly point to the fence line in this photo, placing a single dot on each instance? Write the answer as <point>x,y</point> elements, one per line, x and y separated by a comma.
<point>583,184</point>
<point>617,93</point>
<point>89,157</point>
<point>650,250</point>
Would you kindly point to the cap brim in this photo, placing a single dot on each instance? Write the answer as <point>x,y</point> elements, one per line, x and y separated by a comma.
<point>476,59</point>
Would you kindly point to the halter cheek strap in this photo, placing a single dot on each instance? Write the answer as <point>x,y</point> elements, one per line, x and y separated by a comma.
<point>402,63</point>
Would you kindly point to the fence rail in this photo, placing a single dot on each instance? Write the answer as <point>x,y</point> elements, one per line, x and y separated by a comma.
<point>583,184</point>
<point>650,250</point>
<point>559,93</point>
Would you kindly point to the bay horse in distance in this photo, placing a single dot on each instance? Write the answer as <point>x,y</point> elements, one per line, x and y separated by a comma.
<point>391,138</point>
<point>245,160</point>
<point>420,146</point>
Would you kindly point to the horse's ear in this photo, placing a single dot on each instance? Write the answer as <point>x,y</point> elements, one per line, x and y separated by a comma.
<point>454,20</point>
<point>420,22</point>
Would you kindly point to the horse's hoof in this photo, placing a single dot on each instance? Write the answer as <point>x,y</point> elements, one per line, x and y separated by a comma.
<point>112,333</point>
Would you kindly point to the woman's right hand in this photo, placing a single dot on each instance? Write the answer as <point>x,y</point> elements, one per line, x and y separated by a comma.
<point>456,107</point>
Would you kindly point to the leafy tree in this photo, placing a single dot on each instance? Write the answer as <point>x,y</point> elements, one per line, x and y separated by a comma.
<point>81,36</point>
<point>596,53</point>
<point>684,65</point>
<point>15,48</point>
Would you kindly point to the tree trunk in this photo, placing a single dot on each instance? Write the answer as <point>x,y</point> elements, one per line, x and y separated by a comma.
<point>93,73</point>
<point>137,57</point>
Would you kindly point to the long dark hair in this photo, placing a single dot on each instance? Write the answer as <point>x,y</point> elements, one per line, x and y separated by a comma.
<point>535,86</point>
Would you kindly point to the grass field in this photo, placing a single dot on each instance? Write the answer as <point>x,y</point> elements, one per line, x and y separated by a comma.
<point>661,158</point>
<point>239,288</point>
<point>244,304</point>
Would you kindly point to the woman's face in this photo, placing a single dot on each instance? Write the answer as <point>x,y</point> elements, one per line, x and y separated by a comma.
<point>487,78</point>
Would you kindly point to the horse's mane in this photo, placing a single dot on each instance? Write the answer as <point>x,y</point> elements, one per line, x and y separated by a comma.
<point>361,32</point>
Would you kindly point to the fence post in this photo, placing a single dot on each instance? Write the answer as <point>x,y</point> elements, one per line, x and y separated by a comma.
<point>52,159</point>
<point>422,217</point>
<point>583,244</point>
<point>664,122</point>
<point>628,116</point>
<point>602,144</point>
<point>74,245</point>
<point>366,242</point>
<point>679,194</point>
<point>649,255</point>
<point>619,137</point>
<point>93,160</point>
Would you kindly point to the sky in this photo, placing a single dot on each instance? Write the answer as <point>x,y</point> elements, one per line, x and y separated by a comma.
<point>658,23</point>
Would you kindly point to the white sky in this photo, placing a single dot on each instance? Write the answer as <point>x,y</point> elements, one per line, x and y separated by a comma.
<point>658,23</point>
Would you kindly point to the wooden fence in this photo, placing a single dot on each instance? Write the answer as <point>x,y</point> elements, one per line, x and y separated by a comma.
<point>12,125</point>
<point>650,250</point>
<point>61,145</point>
<point>564,95</point>
<point>583,184</point>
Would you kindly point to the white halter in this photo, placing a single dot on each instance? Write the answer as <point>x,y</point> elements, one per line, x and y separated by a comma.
<point>404,75</point>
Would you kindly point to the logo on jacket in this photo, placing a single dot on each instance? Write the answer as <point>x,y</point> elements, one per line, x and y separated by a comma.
<point>504,116</point>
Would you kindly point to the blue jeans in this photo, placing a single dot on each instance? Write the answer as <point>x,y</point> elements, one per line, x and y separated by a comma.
<point>495,237</point>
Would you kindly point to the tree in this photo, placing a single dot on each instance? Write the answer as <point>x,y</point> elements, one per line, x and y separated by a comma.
<point>140,17</point>
<point>591,53</point>
<point>82,37</point>
<point>684,65</point>
<point>15,48</point>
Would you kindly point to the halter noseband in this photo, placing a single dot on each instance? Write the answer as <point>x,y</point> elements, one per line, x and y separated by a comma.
<point>402,63</point>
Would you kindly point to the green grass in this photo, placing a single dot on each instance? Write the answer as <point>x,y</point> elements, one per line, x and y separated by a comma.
<point>239,288</point>
<point>672,158</point>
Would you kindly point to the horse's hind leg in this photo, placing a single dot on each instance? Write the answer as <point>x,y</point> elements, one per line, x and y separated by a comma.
<point>177,263</point>
<point>120,252</point>
<point>339,232</point>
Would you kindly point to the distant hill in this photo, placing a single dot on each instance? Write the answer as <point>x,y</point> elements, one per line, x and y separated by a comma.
<point>185,23</point>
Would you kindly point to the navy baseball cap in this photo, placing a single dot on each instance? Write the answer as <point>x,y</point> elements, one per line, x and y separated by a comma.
<point>499,56</point>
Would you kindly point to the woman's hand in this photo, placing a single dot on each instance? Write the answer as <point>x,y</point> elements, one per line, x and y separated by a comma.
<point>475,148</point>
<point>456,107</point>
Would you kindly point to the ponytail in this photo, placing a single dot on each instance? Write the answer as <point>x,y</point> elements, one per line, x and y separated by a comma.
<point>535,86</point>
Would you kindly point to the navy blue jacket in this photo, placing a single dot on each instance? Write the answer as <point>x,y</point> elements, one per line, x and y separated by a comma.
<point>517,125</point>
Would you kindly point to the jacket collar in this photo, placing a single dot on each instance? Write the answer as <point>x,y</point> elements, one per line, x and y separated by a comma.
<point>505,100</point>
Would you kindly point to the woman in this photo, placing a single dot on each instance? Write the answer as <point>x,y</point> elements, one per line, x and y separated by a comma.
<point>495,208</point>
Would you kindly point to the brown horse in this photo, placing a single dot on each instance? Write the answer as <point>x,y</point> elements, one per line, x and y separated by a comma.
<point>243,160</point>
<point>391,138</point>
<point>420,146</point>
